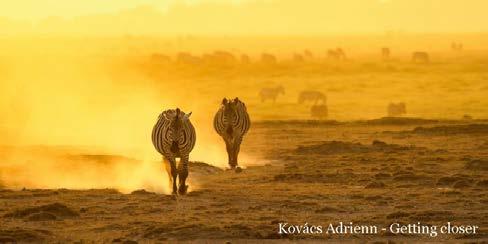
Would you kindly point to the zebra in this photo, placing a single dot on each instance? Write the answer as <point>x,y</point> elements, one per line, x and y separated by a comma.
<point>271,93</point>
<point>174,136</point>
<point>311,95</point>
<point>319,111</point>
<point>267,58</point>
<point>420,57</point>
<point>336,54</point>
<point>457,46</point>
<point>232,122</point>
<point>341,53</point>
<point>332,54</point>
<point>385,53</point>
<point>298,58</point>
<point>396,109</point>
<point>245,59</point>
<point>308,54</point>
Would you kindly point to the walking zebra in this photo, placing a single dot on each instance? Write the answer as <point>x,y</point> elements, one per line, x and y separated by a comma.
<point>311,95</point>
<point>271,93</point>
<point>232,122</point>
<point>420,57</point>
<point>173,136</point>
<point>396,109</point>
<point>336,54</point>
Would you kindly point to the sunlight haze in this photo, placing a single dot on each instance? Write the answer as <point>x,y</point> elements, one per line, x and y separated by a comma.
<point>282,17</point>
<point>82,83</point>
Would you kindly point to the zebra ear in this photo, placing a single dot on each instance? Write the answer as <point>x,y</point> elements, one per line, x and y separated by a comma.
<point>224,101</point>
<point>177,116</point>
<point>187,116</point>
<point>164,115</point>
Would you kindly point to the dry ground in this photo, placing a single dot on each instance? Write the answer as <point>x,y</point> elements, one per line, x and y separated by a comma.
<point>371,172</point>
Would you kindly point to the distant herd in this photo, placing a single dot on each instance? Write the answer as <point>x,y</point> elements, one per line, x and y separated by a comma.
<point>318,101</point>
<point>219,57</point>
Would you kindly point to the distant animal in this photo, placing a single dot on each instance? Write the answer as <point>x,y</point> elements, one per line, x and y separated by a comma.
<point>319,111</point>
<point>310,95</point>
<point>245,59</point>
<point>223,57</point>
<point>187,58</point>
<point>460,47</point>
<point>332,54</point>
<point>385,53</point>
<point>337,54</point>
<point>467,117</point>
<point>342,54</point>
<point>396,109</point>
<point>174,136</point>
<point>456,46</point>
<point>271,93</point>
<point>298,58</point>
<point>232,122</point>
<point>219,58</point>
<point>420,57</point>
<point>268,58</point>
<point>308,54</point>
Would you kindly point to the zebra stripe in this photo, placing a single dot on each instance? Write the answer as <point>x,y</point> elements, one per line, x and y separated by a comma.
<point>169,132</point>
<point>271,93</point>
<point>173,136</point>
<point>232,122</point>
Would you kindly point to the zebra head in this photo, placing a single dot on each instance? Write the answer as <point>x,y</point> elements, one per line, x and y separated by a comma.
<point>230,106</point>
<point>177,119</point>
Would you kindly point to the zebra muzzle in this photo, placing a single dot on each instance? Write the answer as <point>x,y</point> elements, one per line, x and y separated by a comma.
<point>229,130</point>
<point>174,147</point>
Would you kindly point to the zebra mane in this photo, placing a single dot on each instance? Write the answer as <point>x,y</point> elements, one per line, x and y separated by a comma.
<point>239,103</point>
<point>172,114</point>
<point>233,104</point>
<point>226,101</point>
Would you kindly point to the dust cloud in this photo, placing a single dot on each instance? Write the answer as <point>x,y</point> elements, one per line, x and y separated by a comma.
<point>56,97</point>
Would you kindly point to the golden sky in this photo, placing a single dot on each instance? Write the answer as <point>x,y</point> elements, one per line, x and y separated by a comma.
<point>253,16</point>
<point>35,9</point>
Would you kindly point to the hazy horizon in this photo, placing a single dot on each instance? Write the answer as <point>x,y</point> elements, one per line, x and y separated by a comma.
<point>258,17</point>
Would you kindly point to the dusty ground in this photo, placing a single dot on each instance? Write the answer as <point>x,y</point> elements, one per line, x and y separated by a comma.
<point>372,172</point>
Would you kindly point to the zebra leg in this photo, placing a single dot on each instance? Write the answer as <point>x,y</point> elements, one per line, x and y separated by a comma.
<point>174,174</point>
<point>236,147</point>
<point>230,153</point>
<point>167,167</point>
<point>182,175</point>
